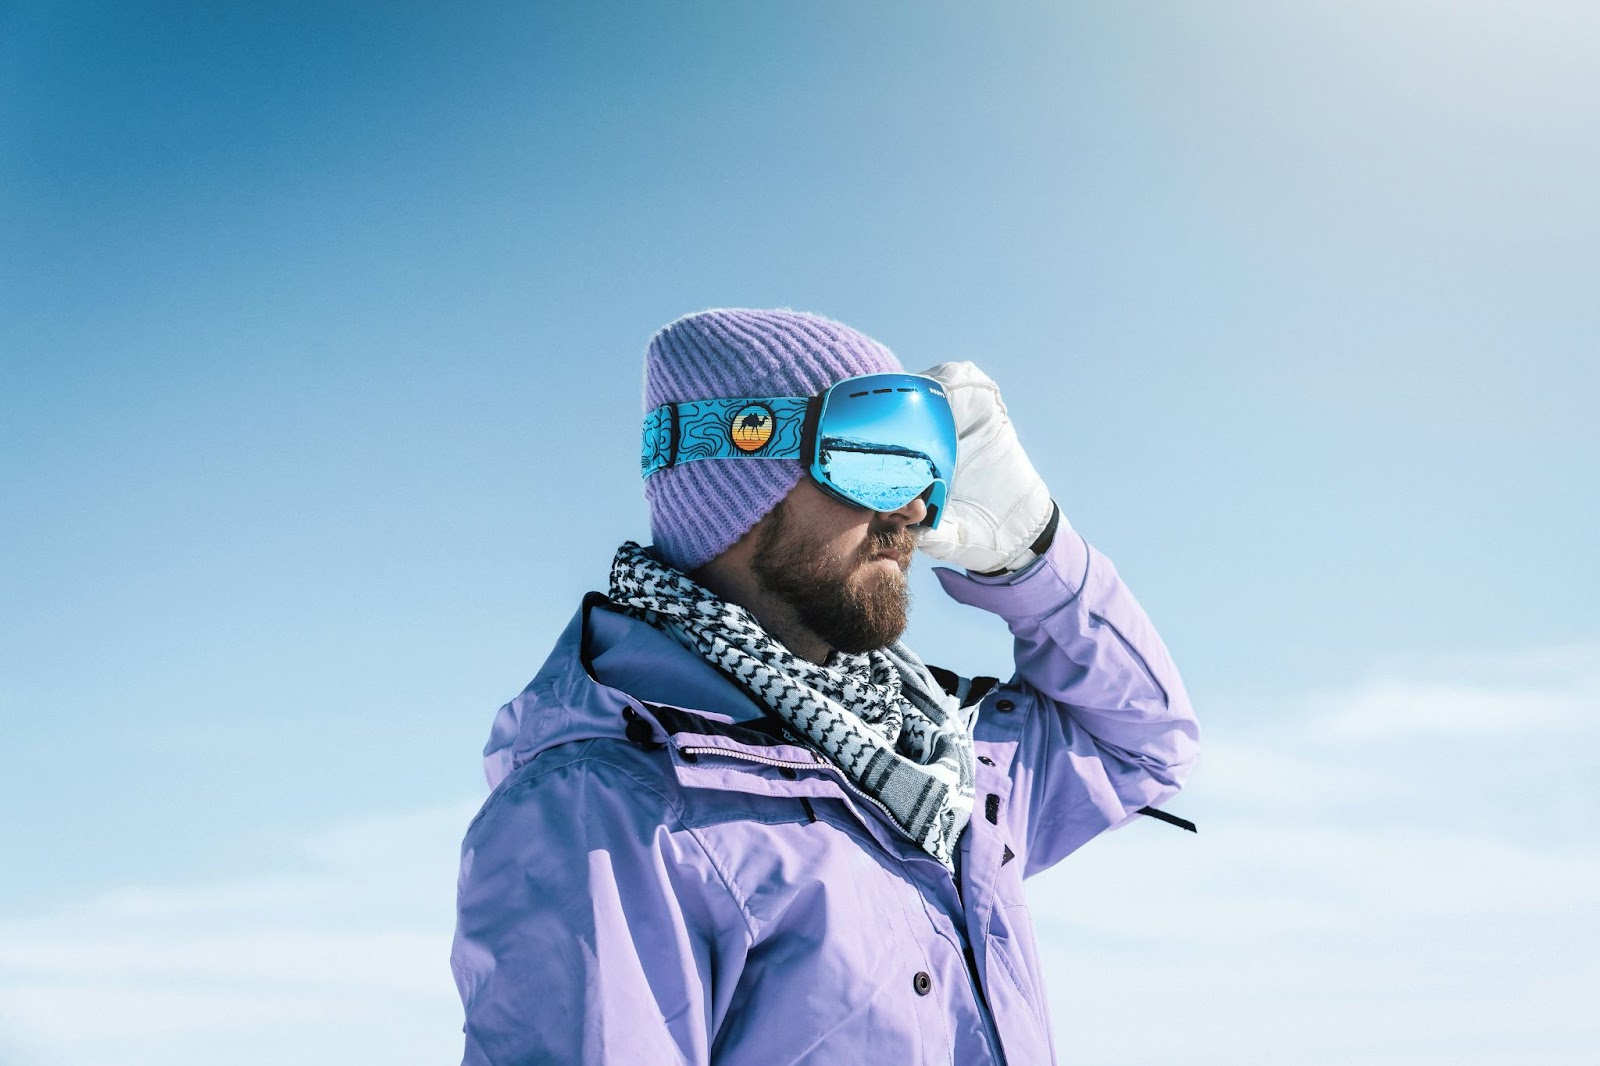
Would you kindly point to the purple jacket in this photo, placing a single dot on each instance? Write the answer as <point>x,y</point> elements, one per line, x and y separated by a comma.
<point>655,879</point>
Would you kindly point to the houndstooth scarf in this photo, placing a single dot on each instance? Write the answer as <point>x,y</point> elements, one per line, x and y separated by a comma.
<point>883,725</point>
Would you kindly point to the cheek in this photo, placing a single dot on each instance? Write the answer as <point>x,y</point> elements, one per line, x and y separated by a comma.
<point>833,561</point>
<point>846,530</point>
<point>843,549</point>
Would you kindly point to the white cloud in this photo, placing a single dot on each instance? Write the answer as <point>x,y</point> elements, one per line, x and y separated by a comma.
<point>1324,907</point>
<point>279,951</point>
<point>1400,709</point>
<point>1518,693</point>
<point>1248,878</point>
<point>357,943</point>
<point>1376,882</point>
<point>1261,773</point>
<point>78,1015</point>
<point>1320,944</point>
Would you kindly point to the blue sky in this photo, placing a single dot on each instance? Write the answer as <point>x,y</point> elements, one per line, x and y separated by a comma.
<point>320,339</point>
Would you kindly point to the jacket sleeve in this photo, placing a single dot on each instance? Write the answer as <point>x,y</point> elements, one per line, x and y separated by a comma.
<point>591,928</point>
<point>1106,726</point>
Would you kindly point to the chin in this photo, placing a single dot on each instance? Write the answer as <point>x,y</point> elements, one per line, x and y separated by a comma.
<point>879,616</point>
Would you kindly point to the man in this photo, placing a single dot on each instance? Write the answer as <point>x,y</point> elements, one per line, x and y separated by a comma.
<point>734,820</point>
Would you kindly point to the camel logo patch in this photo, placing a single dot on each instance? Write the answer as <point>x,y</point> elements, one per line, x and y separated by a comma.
<point>752,427</point>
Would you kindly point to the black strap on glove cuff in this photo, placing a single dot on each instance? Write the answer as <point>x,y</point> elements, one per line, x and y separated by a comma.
<point>1042,545</point>
<point>1039,546</point>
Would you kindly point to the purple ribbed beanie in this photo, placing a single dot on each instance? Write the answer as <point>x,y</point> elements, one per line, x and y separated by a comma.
<point>698,510</point>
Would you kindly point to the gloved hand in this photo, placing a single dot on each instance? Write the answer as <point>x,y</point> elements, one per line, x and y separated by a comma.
<point>998,506</point>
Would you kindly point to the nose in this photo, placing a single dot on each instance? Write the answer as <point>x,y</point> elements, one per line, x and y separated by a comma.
<point>912,514</point>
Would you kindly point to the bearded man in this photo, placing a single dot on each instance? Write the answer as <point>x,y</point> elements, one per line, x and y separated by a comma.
<point>734,820</point>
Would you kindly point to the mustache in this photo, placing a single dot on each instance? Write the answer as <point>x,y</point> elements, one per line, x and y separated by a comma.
<point>901,541</point>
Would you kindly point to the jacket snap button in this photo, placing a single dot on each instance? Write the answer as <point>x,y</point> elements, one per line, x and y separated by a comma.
<point>922,983</point>
<point>986,760</point>
<point>1004,705</point>
<point>787,772</point>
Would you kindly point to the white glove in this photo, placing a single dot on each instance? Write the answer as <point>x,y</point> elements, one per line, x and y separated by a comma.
<point>997,506</point>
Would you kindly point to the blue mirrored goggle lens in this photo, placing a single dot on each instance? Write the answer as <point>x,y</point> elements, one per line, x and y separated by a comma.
<point>883,439</point>
<point>874,480</point>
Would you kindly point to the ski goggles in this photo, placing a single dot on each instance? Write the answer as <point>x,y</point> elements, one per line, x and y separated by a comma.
<point>877,441</point>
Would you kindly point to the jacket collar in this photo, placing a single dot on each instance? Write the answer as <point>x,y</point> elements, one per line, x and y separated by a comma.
<point>716,736</point>
<point>609,669</point>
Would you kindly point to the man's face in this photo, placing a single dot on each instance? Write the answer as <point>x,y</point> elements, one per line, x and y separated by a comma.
<point>841,568</point>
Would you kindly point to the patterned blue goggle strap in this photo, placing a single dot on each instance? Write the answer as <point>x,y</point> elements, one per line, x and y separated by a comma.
<point>678,433</point>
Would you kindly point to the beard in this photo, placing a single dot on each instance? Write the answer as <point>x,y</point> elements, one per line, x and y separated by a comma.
<point>851,606</point>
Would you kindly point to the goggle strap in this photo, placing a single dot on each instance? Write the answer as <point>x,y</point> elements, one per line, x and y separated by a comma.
<point>659,446</point>
<point>749,428</point>
<point>808,433</point>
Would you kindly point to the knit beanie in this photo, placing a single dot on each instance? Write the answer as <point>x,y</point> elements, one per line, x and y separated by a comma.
<point>698,510</point>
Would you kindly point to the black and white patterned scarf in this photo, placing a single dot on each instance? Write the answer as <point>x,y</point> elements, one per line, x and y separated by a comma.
<point>879,717</point>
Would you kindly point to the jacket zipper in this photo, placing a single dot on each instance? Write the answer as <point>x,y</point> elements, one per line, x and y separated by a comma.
<point>814,764</point>
<point>989,1032</point>
<point>701,750</point>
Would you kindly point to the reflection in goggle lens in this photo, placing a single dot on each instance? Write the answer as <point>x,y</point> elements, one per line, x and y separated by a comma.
<point>874,479</point>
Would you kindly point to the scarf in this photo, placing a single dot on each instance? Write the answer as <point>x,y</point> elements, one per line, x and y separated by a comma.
<point>879,717</point>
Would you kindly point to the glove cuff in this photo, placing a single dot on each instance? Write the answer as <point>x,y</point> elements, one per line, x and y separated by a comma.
<point>1028,555</point>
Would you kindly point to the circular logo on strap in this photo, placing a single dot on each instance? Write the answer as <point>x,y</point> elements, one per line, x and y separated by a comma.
<point>752,428</point>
